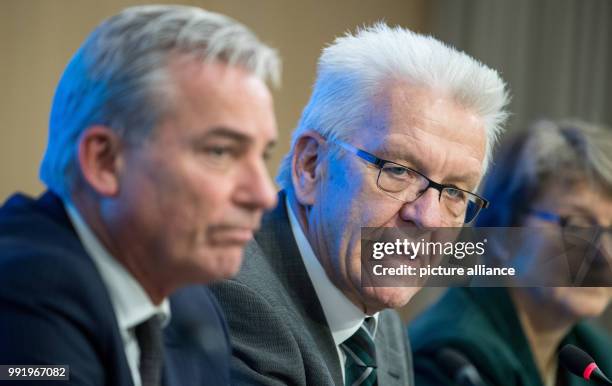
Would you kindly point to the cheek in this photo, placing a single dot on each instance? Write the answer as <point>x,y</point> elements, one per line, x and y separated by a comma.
<point>352,206</point>
<point>197,196</point>
<point>143,196</point>
<point>349,199</point>
<point>174,198</point>
<point>582,302</point>
<point>357,199</point>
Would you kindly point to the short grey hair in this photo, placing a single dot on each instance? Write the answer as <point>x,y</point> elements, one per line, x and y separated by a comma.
<point>572,150</point>
<point>567,152</point>
<point>119,76</point>
<point>356,67</point>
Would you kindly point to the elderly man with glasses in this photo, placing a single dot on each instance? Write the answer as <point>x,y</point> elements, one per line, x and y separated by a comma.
<point>392,114</point>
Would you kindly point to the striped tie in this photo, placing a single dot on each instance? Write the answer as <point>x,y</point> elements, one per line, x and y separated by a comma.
<point>150,340</point>
<point>360,365</point>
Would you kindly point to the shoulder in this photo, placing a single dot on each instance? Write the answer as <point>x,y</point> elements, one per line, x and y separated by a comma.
<point>265,336</point>
<point>267,280</point>
<point>194,306</point>
<point>197,340</point>
<point>454,317</point>
<point>458,322</point>
<point>44,271</point>
<point>258,298</point>
<point>41,256</point>
<point>53,298</point>
<point>246,304</point>
<point>257,272</point>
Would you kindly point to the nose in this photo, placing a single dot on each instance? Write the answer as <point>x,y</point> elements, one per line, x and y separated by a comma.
<point>425,211</point>
<point>255,188</point>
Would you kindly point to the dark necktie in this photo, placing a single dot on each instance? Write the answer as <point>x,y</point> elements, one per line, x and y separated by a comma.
<point>150,340</point>
<point>360,351</point>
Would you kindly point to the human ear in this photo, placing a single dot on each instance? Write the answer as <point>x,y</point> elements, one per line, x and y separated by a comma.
<point>306,166</point>
<point>99,158</point>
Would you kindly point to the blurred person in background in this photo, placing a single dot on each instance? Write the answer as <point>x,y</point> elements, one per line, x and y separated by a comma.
<point>397,132</point>
<point>156,176</point>
<point>559,175</point>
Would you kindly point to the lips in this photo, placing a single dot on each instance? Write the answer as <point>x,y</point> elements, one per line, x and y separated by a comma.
<point>231,235</point>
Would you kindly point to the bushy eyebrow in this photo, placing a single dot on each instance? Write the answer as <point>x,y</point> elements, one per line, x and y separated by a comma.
<point>228,133</point>
<point>235,135</point>
<point>406,159</point>
<point>401,157</point>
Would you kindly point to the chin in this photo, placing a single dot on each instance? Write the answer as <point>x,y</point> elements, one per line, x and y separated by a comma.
<point>220,265</point>
<point>584,302</point>
<point>379,298</point>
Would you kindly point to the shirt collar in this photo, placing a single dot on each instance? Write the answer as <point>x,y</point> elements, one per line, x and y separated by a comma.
<point>343,317</point>
<point>130,302</point>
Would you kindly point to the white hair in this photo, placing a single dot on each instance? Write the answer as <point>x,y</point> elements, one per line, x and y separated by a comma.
<point>356,67</point>
<point>119,77</point>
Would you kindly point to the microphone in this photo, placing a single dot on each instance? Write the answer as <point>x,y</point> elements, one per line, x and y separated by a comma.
<point>458,367</point>
<point>581,364</point>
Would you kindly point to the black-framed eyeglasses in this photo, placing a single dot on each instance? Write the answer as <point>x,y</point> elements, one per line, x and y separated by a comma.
<point>579,231</point>
<point>406,184</point>
<point>578,226</point>
<point>573,221</point>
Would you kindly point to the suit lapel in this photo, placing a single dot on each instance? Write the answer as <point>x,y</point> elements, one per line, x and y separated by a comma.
<point>278,243</point>
<point>53,207</point>
<point>387,357</point>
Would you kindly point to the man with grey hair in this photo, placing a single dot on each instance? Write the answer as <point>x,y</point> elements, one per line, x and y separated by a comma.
<point>397,132</point>
<point>159,131</point>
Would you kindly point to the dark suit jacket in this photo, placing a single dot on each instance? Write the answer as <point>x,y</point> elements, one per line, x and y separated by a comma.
<point>482,324</point>
<point>55,308</point>
<point>278,329</point>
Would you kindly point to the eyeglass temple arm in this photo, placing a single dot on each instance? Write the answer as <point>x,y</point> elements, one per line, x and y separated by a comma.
<point>546,216</point>
<point>360,153</point>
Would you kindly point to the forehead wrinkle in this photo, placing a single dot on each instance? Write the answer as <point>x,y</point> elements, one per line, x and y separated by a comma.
<point>418,107</point>
<point>419,131</point>
<point>414,151</point>
<point>201,91</point>
<point>455,137</point>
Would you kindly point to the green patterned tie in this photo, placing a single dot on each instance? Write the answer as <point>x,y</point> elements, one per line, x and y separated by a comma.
<point>360,351</point>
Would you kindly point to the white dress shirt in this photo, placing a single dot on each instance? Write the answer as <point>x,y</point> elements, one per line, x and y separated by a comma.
<point>130,302</point>
<point>343,317</point>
